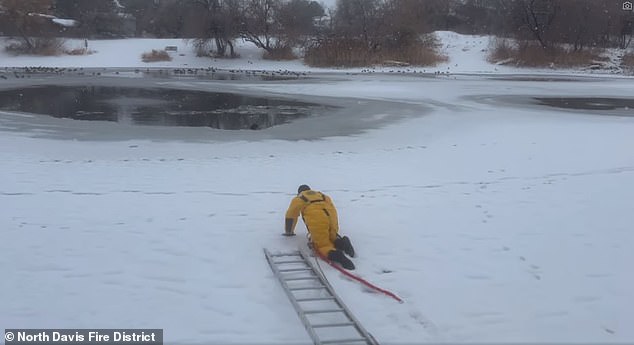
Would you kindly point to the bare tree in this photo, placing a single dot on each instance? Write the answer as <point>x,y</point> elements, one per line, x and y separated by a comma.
<point>484,16</point>
<point>258,24</point>
<point>576,24</point>
<point>297,20</point>
<point>25,17</point>
<point>410,16</point>
<point>143,11</point>
<point>627,29</point>
<point>96,17</point>
<point>360,19</point>
<point>229,21</point>
<point>213,20</point>
<point>537,17</point>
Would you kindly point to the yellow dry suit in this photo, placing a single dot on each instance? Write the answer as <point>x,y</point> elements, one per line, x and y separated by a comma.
<point>319,215</point>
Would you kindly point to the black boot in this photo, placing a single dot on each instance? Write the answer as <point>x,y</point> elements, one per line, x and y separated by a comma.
<point>343,243</point>
<point>338,257</point>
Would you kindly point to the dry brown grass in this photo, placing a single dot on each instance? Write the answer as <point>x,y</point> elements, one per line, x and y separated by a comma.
<point>502,49</point>
<point>355,53</point>
<point>628,60</point>
<point>156,55</point>
<point>418,55</point>
<point>344,53</point>
<point>531,54</point>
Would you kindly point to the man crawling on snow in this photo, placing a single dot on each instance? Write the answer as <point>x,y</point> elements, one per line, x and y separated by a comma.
<point>320,216</point>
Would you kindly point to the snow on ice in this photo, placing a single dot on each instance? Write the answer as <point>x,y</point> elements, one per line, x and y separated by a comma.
<point>494,221</point>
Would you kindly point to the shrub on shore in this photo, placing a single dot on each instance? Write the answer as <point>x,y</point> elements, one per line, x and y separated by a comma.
<point>156,55</point>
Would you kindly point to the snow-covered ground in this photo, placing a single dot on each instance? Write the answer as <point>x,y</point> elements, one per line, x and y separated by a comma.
<point>495,222</point>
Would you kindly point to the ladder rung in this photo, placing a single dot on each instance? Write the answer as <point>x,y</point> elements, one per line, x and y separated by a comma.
<point>301,278</point>
<point>314,299</point>
<point>322,311</point>
<point>340,341</point>
<point>295,269</point>
<point>308,288</point>
<point>290,262</point>
<point>295,253</point>
<point>340,324</point>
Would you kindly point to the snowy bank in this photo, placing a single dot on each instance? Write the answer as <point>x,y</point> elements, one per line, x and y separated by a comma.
<point>467,55</point>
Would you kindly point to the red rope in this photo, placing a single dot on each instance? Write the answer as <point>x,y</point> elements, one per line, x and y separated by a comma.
<point>359,279</point>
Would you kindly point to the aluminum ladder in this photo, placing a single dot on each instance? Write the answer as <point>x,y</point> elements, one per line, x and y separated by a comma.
<point>325,317</point>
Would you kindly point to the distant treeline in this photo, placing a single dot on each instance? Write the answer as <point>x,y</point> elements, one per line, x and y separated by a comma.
<point>278,25</point>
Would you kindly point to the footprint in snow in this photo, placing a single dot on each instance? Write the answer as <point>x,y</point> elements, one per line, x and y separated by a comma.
<point>425,322</point>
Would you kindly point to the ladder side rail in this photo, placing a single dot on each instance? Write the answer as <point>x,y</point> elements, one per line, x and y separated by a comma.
<point>291,297</point>
<point>346,311</point>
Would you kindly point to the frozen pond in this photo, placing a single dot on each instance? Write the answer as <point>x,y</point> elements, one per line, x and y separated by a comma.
<point>155,106</point>
<point>177,105</point>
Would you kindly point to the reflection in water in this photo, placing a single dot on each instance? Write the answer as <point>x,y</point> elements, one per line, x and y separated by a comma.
<point>166,107</point>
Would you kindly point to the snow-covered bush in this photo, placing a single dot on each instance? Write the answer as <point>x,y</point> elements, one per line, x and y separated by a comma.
<point>48,46</point>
